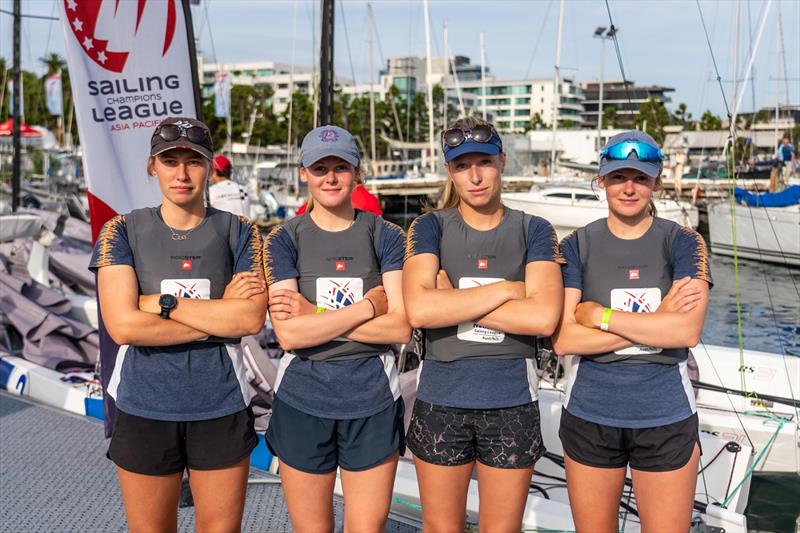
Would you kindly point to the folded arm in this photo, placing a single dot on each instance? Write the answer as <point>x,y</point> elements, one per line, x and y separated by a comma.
<point>118,292</point>
<point>573,338</point>
<point>536,314</point>
<point>391,327</point>
<point>663,329</point>
<point>308,329</point>
<point>429,307</point>
<point>241,311</point>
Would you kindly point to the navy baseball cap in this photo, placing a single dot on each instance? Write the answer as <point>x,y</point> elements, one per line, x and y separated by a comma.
<point>329,141</point>
<point>492,147</point>
<point>631,149</point>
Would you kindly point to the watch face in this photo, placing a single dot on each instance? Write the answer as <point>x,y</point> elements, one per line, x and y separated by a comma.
<point>167,301</point>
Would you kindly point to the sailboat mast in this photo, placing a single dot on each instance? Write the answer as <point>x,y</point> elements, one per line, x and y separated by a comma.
<point>446,70</point>
<point>483,76</point>
<point>371,95</point>
<point>556,89</point>
<point>15,111</point>
<point>326,64</point>
<point>429,84</point>
<point>735,76</point>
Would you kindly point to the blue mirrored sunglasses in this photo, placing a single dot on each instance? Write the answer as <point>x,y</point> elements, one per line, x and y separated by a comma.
<point>624,149</point>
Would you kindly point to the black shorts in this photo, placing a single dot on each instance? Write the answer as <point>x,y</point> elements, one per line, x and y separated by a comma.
<point>510,437</point>
<point>657,449</point>
<point>319,445</point>
<point>159,447</point>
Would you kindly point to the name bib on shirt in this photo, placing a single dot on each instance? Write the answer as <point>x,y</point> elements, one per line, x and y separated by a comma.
<point>644,300</point>
<point>470,331</point>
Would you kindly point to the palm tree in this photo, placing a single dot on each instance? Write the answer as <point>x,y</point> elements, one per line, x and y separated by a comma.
<point>53,62</point>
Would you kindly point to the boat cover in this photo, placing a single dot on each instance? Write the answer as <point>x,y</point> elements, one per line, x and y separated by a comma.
<point>787,197</point>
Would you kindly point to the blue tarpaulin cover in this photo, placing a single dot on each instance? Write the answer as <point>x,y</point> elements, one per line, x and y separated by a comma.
<point>787,197</point>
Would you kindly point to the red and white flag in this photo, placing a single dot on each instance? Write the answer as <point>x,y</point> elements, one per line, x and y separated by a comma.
<point>130,66</point>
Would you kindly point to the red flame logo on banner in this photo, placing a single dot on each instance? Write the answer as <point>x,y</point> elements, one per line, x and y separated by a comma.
<point>82,16</point>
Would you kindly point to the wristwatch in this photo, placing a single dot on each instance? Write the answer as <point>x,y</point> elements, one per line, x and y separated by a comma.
<point>167,302</point>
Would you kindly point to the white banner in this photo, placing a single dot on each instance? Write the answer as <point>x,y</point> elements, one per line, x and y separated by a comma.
<point>53,97</point>
<point>222,94</point>
<point>130,67</point>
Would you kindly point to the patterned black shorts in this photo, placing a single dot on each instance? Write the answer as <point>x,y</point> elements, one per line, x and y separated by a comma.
<point>510,437</point>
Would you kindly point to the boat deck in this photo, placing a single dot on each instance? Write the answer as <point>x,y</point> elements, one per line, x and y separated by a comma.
<point>54,477</point>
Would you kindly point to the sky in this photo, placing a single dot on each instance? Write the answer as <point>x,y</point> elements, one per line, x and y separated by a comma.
<point>661,42</point>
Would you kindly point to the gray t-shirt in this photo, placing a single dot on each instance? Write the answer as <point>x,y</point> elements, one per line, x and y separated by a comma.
<point>192,381</point>
<point>495,372</point>
<point>340,379</point>
<point>617,393</point>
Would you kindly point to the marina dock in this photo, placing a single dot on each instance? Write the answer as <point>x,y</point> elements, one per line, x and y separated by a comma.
<point>54,477</point>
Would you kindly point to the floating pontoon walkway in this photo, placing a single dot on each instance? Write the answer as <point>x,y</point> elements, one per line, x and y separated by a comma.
<point>54,477</point>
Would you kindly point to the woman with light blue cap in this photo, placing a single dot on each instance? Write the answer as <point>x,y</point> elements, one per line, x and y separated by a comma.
<point>484,281</point>
<point>635,299</point>
<point>335,301</point>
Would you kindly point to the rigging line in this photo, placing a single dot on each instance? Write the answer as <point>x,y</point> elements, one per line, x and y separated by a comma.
<point>210,35</point>
<point>50,27</point>
<point>538,39</point>
<point>28,16</point>
<point>714,61</point>
<point>350,58</point>
<point>614,31</point>
<point>391,97</point>
<point>733,407</point>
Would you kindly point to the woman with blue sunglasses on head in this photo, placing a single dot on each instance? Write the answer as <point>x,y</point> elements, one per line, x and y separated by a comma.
<point>635,299</point>
<point>484,281</point>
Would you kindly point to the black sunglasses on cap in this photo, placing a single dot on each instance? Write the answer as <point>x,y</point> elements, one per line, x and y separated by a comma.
<point>173,132</point>
<point>457,136</point>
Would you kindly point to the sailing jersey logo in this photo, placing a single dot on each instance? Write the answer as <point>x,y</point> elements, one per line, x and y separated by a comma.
<point>341,266</point>
<point>198,289</point>
<point>483,264</point>
<point>186,264</point>
<point>83,16</point>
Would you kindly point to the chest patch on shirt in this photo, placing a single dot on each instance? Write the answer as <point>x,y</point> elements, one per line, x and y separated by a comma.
<point>469,331</point>
<point>644,300</point>
<point>198,289</point>
<point>335,293</point>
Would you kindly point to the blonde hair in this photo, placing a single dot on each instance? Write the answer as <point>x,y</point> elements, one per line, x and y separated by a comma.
<point>450,197</point>
<point>359,179</point>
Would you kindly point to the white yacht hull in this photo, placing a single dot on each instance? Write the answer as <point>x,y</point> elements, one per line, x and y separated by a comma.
<point>769,234</point>
<point>568,214</point>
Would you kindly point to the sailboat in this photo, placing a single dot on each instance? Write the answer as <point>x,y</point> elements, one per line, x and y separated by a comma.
<point>764,227</point>
<point>569,203</point>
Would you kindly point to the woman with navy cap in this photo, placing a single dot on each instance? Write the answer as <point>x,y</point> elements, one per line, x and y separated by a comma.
<point>335,276</point>
<point>178,285</point>
<point>484,281</point>
<point>636,293</point>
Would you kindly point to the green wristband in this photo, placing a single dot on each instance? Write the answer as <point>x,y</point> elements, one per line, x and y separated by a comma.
<point>606,318</point>
<point>321,309</point>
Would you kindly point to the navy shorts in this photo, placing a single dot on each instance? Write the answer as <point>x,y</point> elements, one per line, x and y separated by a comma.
<point>319,445</point>
<point>510,437</point>
<point>160,447</point>
<point>657,449</point>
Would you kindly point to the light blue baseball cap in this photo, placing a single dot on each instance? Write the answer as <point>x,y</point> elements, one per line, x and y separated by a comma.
<point>328,141</point>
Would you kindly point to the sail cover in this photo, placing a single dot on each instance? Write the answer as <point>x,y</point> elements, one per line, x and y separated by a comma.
<point>788,196</point>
